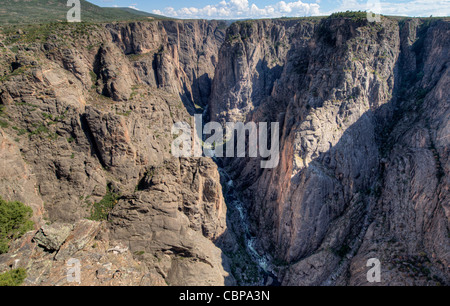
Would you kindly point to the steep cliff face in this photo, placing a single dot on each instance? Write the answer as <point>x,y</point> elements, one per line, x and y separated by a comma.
<point>364,124</point>
<point>410,230</point>
<point>86,117</point>
<point>251,60</point>
<point>178,56</point>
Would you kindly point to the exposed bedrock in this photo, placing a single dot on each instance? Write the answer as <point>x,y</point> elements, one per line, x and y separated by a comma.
<point>364,146</point>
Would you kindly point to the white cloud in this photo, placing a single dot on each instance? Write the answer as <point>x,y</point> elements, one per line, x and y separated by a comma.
<point>417,8</point>
<point>241,9</point>
<point>423,8</point>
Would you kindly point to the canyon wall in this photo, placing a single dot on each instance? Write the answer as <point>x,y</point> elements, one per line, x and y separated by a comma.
<point>364,145</point>
<point>85,120</point>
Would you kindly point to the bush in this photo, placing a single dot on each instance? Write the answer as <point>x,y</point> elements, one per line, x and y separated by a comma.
<point>3,124</point>
<point>14,222</point>
<point>100,211</point>
<point>13,278</point>
<point>355,16</point>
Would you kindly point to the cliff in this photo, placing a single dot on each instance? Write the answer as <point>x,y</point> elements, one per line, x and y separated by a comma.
<point>85,112</point>
<point>364,147</point>
<point>85,118</point>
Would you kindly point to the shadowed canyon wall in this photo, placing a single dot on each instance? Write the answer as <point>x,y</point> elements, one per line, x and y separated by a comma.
<point>364,145</point>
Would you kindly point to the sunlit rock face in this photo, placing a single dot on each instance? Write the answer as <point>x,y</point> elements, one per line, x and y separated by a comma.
<point>89,118</point>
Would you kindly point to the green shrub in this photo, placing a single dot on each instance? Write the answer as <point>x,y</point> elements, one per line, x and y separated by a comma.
<point>100,211</point>
<point>355,16</point>
<point>94,77</point>
<point>14,222</point>
<point>15,49</point>
<point>13,277</point>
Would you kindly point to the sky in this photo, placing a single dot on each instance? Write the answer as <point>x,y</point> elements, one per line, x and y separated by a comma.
<point>243,9</point>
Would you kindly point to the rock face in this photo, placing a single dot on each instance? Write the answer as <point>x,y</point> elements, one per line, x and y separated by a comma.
<point>88,114</point>
<point>177,56</point>
<point>84,248</point>
<point>364,144</point>
<point>52,237</point>
<point>17,180</point>
<point>85,126</point>
<point>413,210</point>
<point>251,60</point>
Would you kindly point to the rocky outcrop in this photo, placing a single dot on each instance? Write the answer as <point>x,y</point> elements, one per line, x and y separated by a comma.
<point>114,78</point>
<point>52,237</point>
<point>173,220</point>
<point>17,180</point>
<point>83,249</point>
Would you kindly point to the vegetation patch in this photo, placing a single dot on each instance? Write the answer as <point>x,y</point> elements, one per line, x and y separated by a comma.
<point>3,124</point>
<point>46,11</point>
<point>14,222</point>
<point>13,278</point>
<point>18,71</point>
<point>134,92</point>
<point>100,211</point>
<point>19,131</point>
<point>94,79</point>
<point>39,129</point>
<point>231,38</point>
<point>137,57</point>
<point>126,114</point>
<point>354,15</point>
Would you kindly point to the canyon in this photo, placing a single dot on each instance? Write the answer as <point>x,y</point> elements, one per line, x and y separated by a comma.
<point>363,108</point>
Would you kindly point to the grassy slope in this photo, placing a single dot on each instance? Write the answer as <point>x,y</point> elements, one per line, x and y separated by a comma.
<point>44,11</point>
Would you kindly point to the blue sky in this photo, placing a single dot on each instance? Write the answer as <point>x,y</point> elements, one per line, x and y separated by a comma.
<point>238,9</point>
